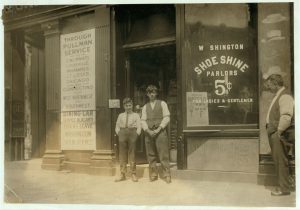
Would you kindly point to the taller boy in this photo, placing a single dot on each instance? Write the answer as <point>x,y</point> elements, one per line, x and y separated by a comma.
<point>155,118</point>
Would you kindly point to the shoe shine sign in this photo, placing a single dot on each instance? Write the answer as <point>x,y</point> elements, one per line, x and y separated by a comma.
<point>78,104</point>
<point>222,71</point>
<point>219,58</point>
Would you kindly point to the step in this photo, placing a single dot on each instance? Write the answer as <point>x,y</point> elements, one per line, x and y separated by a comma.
<point>266,175</point>
<point>142,171</point>
<point>76,167</point>
<point>267,179</point>
<point>269,168</point>
<point>266,169</point>
<point>215,176</point>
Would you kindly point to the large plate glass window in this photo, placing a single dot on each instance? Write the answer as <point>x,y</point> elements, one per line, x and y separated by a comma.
<point>219,65</point>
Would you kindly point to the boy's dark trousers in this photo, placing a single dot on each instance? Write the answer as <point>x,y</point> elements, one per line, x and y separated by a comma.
<point>127,147</point>
<point>160,144</point>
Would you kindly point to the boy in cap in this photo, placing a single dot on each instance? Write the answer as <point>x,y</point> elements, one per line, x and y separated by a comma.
<point>280,126</point>
<point>128,127</point>
<point>155,118</point>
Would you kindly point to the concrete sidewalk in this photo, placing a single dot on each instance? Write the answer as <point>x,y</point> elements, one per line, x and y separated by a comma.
<point>34,185</point>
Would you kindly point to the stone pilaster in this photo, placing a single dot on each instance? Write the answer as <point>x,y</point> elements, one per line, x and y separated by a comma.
<point>102,163</point>
<point>102,160</point>
<point>53,156</point>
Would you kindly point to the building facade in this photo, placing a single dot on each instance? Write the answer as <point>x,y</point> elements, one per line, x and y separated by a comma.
<point>68,67</point>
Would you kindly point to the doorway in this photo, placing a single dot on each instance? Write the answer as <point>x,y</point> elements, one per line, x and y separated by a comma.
<point>153,65</point>
<point>146,54</point>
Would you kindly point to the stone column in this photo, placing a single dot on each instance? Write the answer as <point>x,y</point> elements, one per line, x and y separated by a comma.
<point>102,159</point>
<point>53,156</point>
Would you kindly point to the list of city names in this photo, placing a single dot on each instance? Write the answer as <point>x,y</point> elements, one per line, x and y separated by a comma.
<point>78,104</point>
<point>78,130</point>
<point>78,71</point>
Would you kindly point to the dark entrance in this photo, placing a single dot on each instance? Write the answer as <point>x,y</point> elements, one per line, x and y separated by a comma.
<point>146,54</point>
<point>156,66</point>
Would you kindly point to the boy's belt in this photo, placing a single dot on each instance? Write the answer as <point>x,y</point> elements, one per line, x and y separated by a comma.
<point>129,128</point>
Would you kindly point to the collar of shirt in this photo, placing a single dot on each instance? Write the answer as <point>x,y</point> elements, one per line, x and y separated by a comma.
<point>152,104</point>
<point>128,113</point>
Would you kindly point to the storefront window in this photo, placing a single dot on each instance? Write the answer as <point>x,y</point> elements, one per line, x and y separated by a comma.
<point>219,61</point>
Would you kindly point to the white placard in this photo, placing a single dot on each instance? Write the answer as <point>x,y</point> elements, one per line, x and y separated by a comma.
<point>78,97</point>
<point>78,71</point>
<point>197,109</point>
<point>78,130</point>
<point>114,103</point>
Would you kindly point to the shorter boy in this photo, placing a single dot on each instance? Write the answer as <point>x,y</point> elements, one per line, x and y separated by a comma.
<point>128,127</point>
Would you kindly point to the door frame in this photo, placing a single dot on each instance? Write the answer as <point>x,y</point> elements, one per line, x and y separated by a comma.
<point>121,62</point>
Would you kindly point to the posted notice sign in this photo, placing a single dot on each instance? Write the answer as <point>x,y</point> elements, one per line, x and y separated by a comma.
<point>78,71</point>
<point>78,97</point>
<point>197,108</point>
